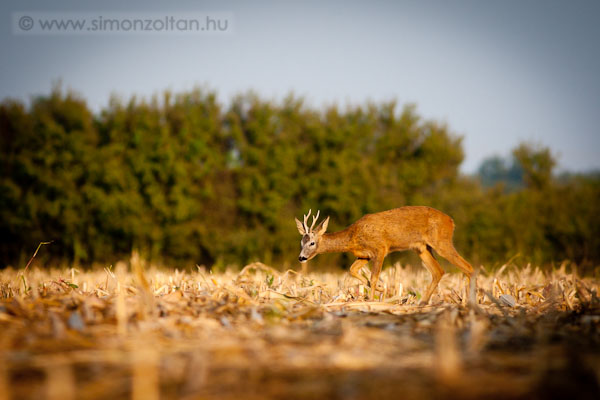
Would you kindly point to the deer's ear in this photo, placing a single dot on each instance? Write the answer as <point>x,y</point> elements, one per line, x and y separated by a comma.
<point>300,227</point>
<point>323,226</point>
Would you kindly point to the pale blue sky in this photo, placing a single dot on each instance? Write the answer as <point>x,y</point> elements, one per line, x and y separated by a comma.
<point>497,72</point>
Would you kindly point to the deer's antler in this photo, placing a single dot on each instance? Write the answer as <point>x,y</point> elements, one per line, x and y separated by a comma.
<point>315,218</point>
<point>306,221</point>
<point>314,221</point>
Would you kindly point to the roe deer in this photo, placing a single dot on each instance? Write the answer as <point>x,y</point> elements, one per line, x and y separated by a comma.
<point>374,236</point>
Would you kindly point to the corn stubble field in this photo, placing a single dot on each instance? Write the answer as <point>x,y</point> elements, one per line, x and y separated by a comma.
<point>135,331</point>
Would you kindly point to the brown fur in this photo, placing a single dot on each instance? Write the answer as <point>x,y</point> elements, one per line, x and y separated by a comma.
<point>374,236</point>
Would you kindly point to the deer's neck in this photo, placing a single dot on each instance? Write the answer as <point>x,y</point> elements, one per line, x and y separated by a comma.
<point>336,242</point>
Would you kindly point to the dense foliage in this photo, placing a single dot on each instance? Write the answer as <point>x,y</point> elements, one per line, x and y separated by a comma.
<point>187,179</point>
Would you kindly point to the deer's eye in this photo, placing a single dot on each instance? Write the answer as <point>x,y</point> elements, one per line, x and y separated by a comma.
<point>312,243</point>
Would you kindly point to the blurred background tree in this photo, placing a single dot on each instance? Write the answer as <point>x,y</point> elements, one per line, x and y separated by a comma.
<point>185,180</point>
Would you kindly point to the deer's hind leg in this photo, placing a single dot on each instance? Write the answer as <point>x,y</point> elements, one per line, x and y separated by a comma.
<point>434,269</point>
<point>449,253</point>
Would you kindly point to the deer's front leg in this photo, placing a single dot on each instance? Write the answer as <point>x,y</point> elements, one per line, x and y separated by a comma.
<point>356,267</point>
<point>377,263</point>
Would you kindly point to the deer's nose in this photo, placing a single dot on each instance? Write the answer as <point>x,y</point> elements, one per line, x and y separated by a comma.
<point>302,258</point>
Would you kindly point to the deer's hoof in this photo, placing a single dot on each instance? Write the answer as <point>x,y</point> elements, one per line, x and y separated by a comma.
<point>378,288</point>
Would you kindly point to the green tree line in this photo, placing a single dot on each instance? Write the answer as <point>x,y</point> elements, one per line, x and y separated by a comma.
<point>185,179</point>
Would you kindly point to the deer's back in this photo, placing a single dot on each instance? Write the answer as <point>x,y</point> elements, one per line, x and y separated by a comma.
<point>402,228</point>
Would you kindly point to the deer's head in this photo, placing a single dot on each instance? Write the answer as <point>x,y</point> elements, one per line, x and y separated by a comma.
<point>310,238</point>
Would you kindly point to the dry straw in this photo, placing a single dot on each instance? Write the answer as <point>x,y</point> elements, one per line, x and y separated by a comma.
<point>261,333</point>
